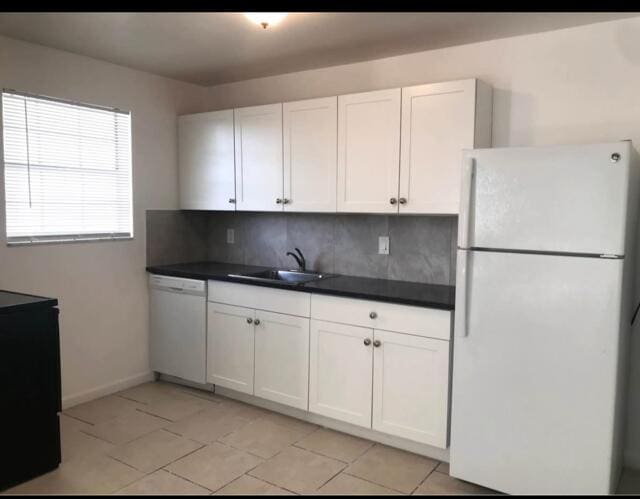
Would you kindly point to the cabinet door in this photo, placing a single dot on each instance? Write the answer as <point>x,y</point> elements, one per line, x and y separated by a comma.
<point>258,138</point>
<point>340,372</point>
<point>369,151</point>
<point>206,161</point>
<point>282,358</point>
<point>230,346</point>
<point>411,387</point>
<point>438,121</point>
<point>310,132</point>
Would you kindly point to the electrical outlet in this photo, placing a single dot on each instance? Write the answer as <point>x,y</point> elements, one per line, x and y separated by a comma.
<point>231,236</point>
<point>383,245</point>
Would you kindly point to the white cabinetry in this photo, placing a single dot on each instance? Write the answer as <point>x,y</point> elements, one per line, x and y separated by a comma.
<point>438,121</point>
<point>340,372</point>
<point>256,351</point>
<point>396,383</point>
<point>282,358</point>
<point>309,138</point>
<point>386,151</point>
<point>206,161</point>
<point>368,151</point>
<point>258,151</point>
<point>411,387</point>
<point>230,347</point>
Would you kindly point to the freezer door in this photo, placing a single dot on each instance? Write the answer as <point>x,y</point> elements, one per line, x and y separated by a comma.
<point>570,199</point>
<point>534,377</point>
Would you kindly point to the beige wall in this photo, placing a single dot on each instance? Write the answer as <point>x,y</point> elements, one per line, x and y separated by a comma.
<point>101,286</point>
<point>568,86</point>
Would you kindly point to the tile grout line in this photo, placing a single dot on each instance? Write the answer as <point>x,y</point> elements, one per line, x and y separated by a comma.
<point>426,477</point>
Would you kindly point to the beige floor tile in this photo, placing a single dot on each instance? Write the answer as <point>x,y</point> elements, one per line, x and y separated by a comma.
<point>67,423</point>
<point>163,483</point>
<point>207,427</point>
<point>292,423</point>
<point>392,468</point>
<point>96,475</point>
<point>443,468</point>
<point>146,393</point>
<point>239,409</point>
<point>102,409</point>
<point>77,444</point>
<point>351,485</point>
<point>207,395</point>
<point>298,470</point>
<point>154,450</point>
<point>166,400</point>
<point>176,406</point>
<point>262,438</point>
<point>335,444</point>
<point>214,466</point>
<point>629,482</point>
<point>249,486</point>
<point>440,483</point>
<point>126,428</point>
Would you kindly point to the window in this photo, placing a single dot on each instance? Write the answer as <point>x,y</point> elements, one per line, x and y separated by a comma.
<point>67,170</point>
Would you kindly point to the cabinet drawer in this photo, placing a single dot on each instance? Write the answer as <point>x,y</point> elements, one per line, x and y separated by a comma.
<point>261,298</point>
<point>427,322</point>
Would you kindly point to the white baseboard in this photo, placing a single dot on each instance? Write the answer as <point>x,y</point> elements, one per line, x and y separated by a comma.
<point>632,460</point>
<point>101,391</point>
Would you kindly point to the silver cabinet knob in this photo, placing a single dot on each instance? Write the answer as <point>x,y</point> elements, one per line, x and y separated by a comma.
<point>377,343</point>
<point>402,200</point>
<point>232,200</point>
<point>367,342</point>
<point>278,201</point>
<point>249,320</point>
<point>286,201</point>
<point>615,157</point>
<point>373,315</point>
<point>393,200</point>
<point>257,322</point>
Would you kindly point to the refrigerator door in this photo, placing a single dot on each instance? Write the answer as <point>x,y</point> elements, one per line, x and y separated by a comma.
<point>534,373</point>
<point>569,199</point>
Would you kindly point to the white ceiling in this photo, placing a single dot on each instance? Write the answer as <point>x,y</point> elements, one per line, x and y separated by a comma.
<point>211,48</point>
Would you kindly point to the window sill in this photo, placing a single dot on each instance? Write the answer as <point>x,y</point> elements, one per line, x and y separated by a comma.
<point>67,240</point>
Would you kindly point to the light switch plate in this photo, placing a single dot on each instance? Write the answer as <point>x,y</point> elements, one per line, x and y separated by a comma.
<point>231,236</point>
<point>383,245</point>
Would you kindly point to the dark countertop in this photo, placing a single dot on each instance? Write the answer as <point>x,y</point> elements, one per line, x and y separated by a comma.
<point>407,293</point>
<point>11,302</point>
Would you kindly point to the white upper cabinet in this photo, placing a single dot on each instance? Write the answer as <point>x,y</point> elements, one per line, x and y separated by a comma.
<point>368,151</point>
<point>206,161</point>
<point>258,146</point>
<point>309,138</point>
<point>438,121</point>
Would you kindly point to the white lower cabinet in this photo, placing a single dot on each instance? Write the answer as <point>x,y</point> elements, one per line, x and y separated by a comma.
<point>340,372</point>
<point>282,358</point>
<point>393,380</point>
<point>230,347</point>
<point>411,387</point>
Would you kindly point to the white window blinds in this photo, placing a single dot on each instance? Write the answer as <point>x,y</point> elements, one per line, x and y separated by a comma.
<point>67,170</point>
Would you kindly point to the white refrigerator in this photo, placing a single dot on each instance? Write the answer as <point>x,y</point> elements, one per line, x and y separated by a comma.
<point>544,292</point>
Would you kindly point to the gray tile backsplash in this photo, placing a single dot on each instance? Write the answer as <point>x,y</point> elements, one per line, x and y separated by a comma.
<point>421,248</point>
<point>176,236</point>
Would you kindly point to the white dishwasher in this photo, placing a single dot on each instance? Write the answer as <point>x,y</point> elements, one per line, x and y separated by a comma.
<point>178,327</point>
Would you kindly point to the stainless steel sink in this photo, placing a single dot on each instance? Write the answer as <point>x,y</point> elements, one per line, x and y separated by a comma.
<point>282,276</point>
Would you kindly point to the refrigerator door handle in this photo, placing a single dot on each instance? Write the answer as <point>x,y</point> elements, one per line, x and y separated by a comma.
<point>462,280</point>
<point>468,177</point>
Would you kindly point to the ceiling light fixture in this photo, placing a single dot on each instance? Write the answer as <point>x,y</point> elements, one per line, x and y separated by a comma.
<point>265,19</point>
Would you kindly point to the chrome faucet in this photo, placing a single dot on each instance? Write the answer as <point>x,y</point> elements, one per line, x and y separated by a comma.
<point>302,263</point>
